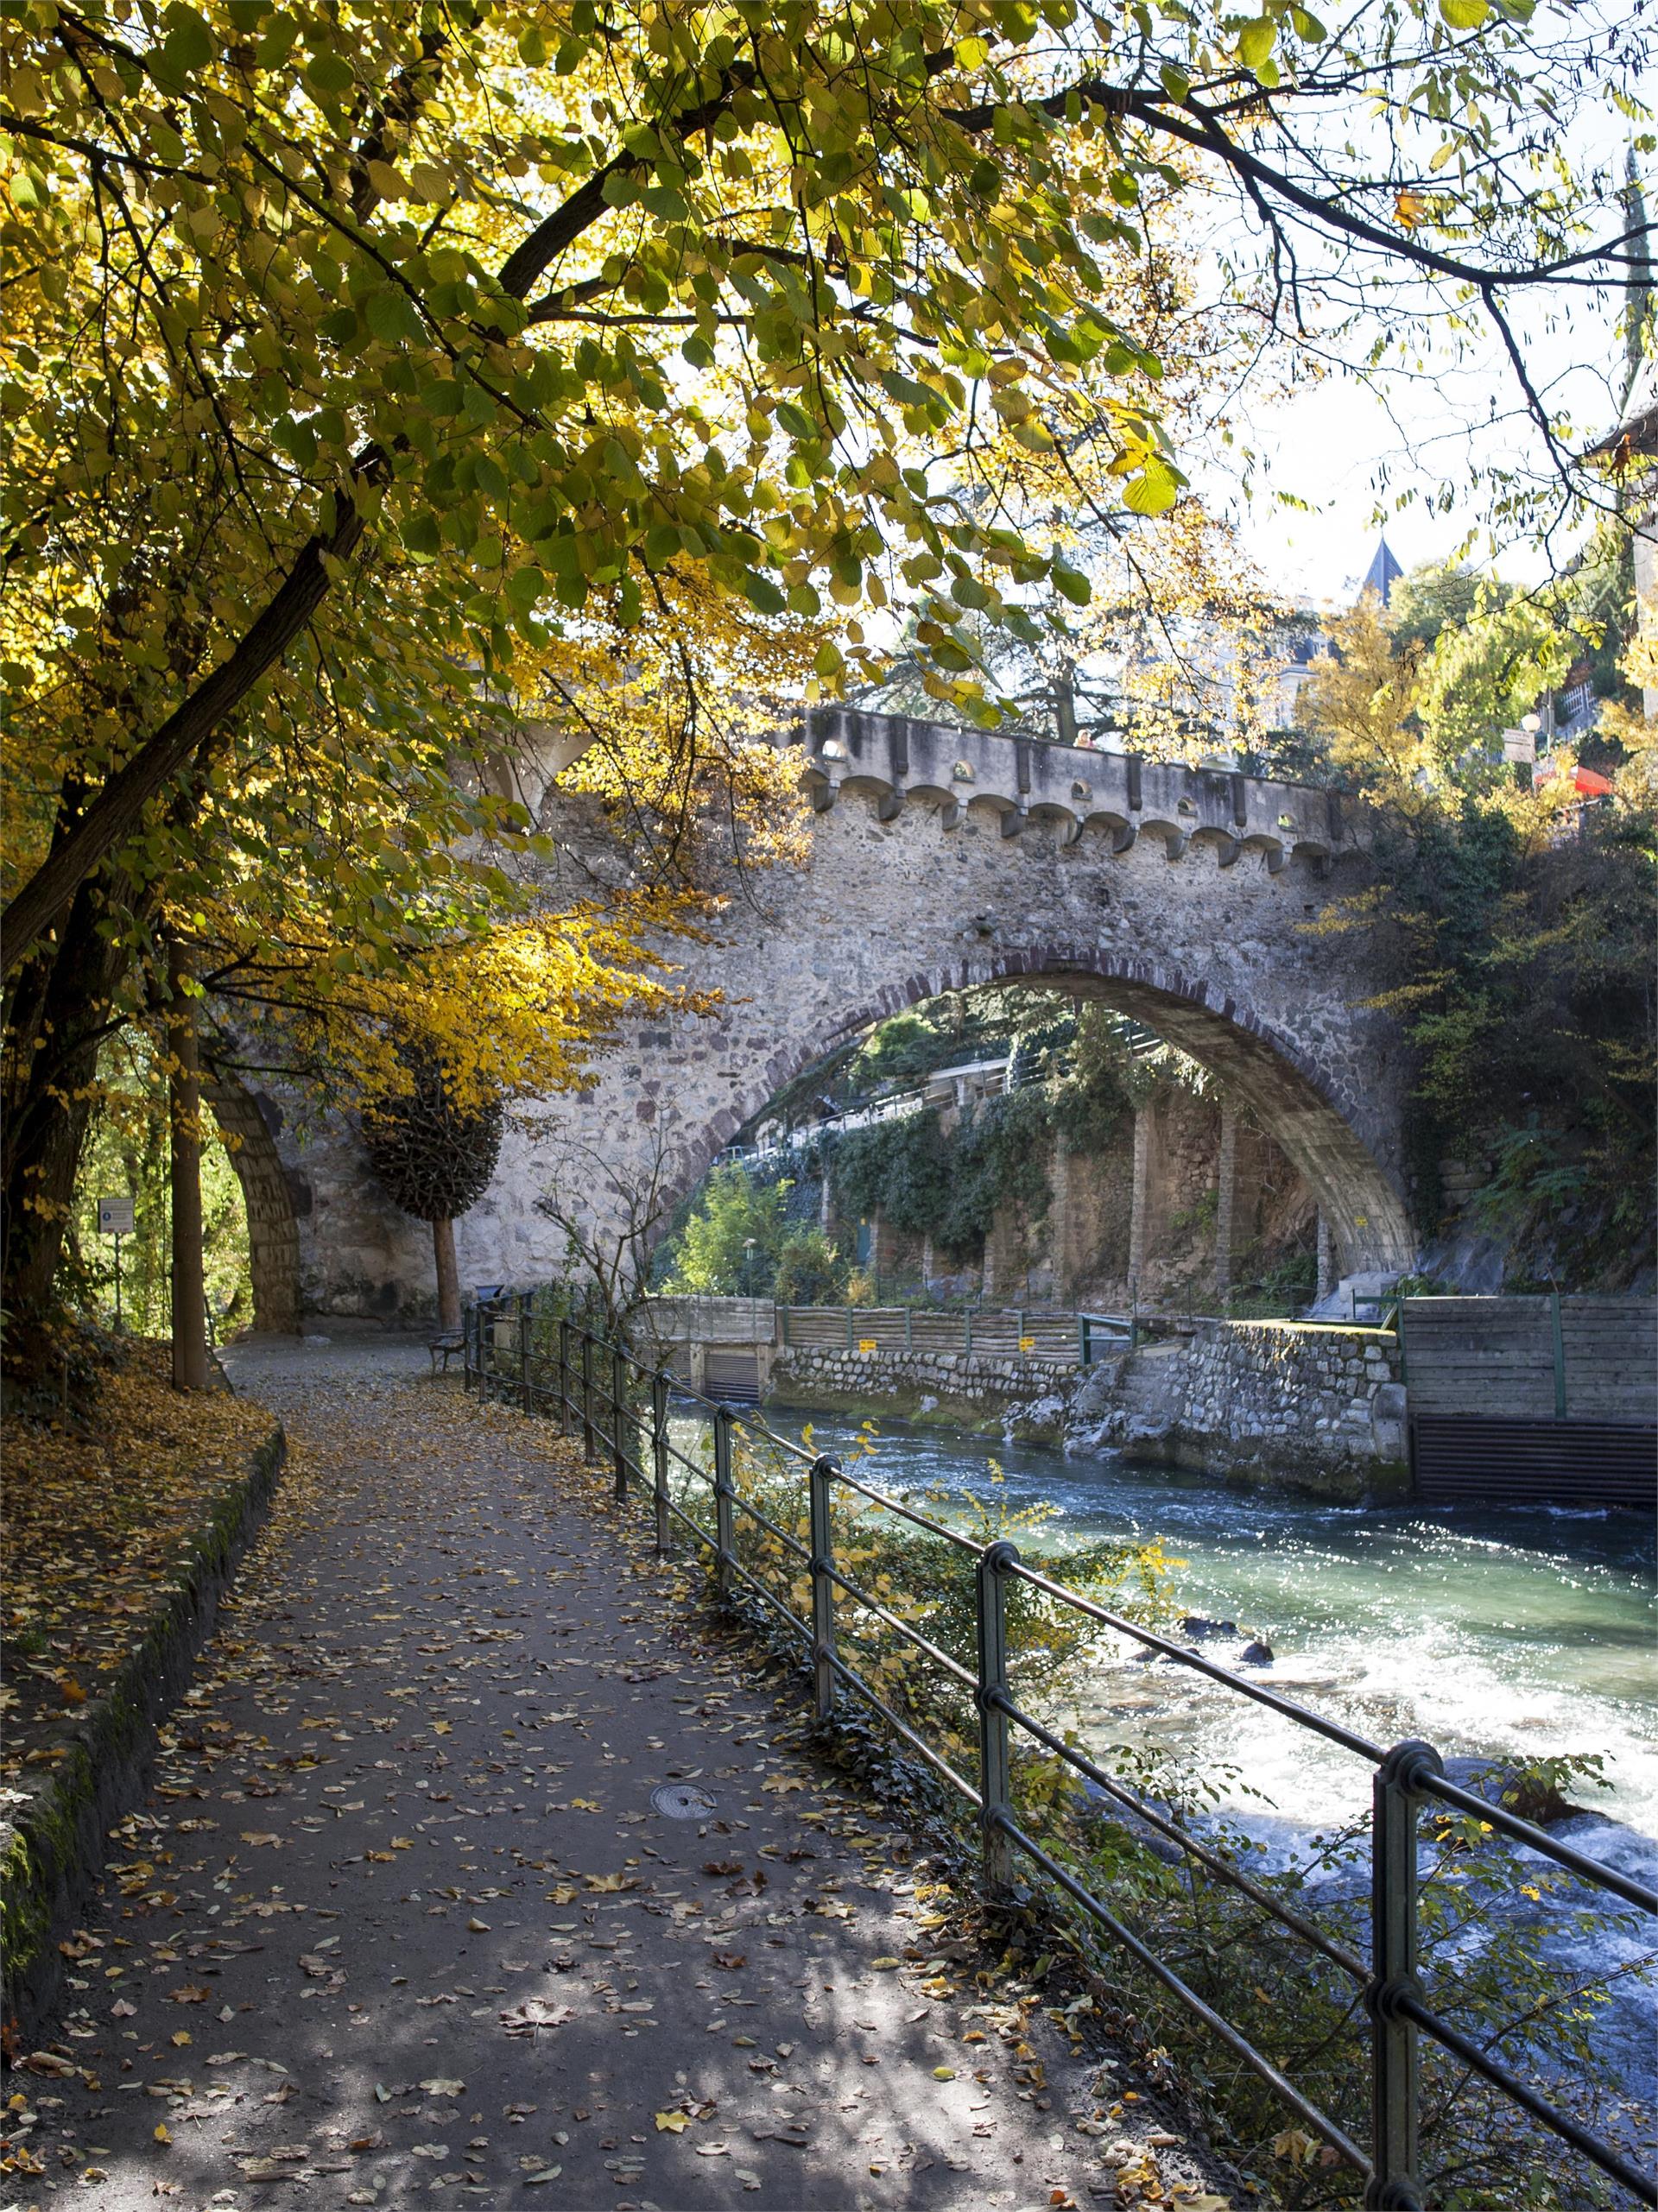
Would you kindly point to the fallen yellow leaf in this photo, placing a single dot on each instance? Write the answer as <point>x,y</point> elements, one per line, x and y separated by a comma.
<point>161,2135</point>
<point>943,2073</point>
<point>672,2123</point>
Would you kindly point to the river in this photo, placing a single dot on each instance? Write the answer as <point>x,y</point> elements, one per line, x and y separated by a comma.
<point>1511,1633</point>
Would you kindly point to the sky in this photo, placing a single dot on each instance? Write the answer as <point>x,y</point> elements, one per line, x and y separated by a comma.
<point>1334,446</point>
<point>1343,445</point>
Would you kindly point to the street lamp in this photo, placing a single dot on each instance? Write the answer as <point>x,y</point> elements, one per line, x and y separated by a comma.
<point>748,1267</point>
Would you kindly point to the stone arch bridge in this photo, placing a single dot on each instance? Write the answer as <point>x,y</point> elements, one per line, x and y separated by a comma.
<point>940,858</point>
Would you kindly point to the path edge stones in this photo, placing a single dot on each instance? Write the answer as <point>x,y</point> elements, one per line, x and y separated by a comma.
<point>53,1846</point>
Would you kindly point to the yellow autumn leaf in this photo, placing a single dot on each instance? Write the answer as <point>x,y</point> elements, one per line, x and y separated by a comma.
<point>777,1783</point>
<point>672,2123</point>
<point>161,2133</point>
<point>943,2073</point>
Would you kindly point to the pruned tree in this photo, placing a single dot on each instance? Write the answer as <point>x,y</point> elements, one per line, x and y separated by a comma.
<point>435,1159</point>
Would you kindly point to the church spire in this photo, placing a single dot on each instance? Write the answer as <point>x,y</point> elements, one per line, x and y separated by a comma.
<point>1382,573</point>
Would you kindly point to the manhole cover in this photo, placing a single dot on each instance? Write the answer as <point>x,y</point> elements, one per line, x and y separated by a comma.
<point>681,1802</point>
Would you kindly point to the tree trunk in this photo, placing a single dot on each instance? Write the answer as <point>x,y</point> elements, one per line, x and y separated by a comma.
<point>190,1368</point>
<point>443,1251</point>
<point>56,1023</point>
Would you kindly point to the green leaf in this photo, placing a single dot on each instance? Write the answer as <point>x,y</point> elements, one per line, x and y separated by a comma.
<point>1307,27</point>
<point>1256,40</point>
<point>1073,584</point>
<point>329,74</point>
<point>390,317</point>
<point>762,593</point>
<point>1464,15</point>
<point>186,42</point>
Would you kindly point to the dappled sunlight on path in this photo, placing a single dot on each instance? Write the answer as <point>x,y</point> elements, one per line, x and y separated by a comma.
<point>402,1916</point>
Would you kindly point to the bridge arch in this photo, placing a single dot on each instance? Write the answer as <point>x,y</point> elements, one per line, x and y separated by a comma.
<point>245,1118</point>
<point>1328,1136</point>
<point>939,859</point>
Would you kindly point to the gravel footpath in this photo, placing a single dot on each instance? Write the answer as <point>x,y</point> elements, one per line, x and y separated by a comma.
<point>401,1893</point>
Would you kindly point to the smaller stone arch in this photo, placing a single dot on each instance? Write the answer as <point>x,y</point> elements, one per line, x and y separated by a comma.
<point>250,1123</point>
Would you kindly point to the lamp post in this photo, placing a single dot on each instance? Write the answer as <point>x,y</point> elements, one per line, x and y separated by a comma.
<point>748,1267</point>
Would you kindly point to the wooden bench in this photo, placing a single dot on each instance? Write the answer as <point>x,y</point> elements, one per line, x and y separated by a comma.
<point>446,1346</point>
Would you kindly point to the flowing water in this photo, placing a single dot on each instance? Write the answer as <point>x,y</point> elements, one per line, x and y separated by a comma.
<point>1511,1633</point>
<point>1507,1634</point>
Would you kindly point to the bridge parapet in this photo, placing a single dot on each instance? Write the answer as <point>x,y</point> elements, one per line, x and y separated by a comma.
<point>1021,782</point>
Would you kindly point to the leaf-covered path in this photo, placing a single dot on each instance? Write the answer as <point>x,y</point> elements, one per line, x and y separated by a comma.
<point>400,1917</point>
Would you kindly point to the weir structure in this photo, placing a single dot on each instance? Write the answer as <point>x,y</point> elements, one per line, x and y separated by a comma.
<point>1214,907</point>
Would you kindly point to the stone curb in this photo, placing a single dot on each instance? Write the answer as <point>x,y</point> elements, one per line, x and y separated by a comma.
<point>52,1852</point>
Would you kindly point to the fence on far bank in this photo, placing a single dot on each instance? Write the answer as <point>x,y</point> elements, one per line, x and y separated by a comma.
<point>1039,1336</point>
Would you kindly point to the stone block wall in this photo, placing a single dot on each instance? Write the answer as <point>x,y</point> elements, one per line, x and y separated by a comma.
<point>1318,1408</point>
<point>1004,1396</point>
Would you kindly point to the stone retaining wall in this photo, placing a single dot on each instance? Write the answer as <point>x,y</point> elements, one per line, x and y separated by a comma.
<point>1002,1394</point>
<point>1317,1407</point>
<point>53,1840</point>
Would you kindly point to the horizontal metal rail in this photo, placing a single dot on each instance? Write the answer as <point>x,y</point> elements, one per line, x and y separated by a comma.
<point>910,1634</point>
<point>1538,1839</point>
<point>1332,1730</point>
<point>1405,1776</point>
<point>1238,2044</point>
<point>890,1504</point>
<point>1339,1954</point>
<point>917,1743</point>
<point>1562,2124</point>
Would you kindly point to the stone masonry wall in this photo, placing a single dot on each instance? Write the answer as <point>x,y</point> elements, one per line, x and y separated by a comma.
<point>1318,1408</point>
<point>1005,1395</point>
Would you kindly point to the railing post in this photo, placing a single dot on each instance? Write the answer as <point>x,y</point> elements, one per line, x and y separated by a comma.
<point>658,1457</point>
<point>1559,1355</point>
<point>994,1781</point>
<point>909,1333</point>
<point>848,1327</point>
<point>967,1333</point>
<point>821,1479</point>
<point>1082,1339</point>
<point>783,1318</point>
<point>1395,2085</point>
<point>526,1316</point>
<point>724,1514</point>
<point>564,1375</point>
<point>618,1415</point>
<point>587,1395</point>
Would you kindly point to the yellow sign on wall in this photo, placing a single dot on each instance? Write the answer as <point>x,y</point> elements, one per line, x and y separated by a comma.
<point>867,1344</point>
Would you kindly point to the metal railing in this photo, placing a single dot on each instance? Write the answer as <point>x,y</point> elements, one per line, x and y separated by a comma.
<point>584,1381</point>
